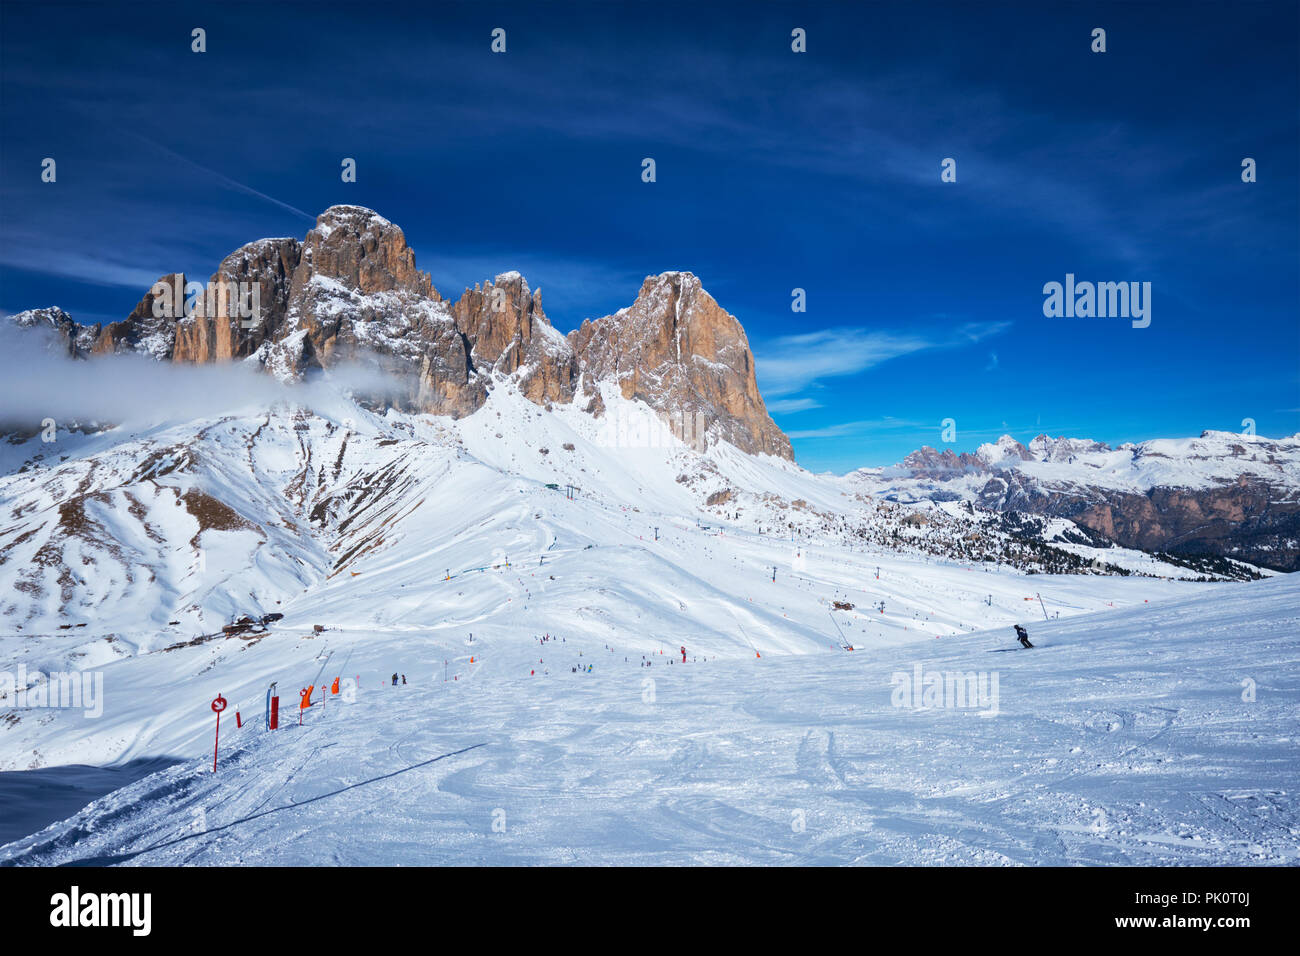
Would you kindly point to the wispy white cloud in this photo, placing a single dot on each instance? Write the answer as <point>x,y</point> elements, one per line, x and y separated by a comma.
<point>36,383</point>
<point>792,363</point>
<point>788,406</point>
<point>93,269</point>
<point>861,427</point>
<point>222,178</point>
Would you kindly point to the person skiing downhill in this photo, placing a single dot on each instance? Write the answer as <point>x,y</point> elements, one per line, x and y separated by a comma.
<point>1023,636</point>
<point>394,680</point>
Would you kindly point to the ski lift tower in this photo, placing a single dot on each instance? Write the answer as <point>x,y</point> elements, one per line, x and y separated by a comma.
<point>572,491</point>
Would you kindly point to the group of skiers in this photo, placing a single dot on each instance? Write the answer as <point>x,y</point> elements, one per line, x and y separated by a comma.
<point>1022,636</point>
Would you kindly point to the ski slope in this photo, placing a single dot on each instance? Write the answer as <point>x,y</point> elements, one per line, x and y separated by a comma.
<point>451,553</point>
<point>1122,738</point>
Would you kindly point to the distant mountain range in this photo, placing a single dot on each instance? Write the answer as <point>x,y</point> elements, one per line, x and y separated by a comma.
<point>349,292</point>
<point>1228,494</point>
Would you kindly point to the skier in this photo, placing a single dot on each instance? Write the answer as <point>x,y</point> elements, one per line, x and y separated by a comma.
<point>403,678</point>
<point>394,680</point>
<point>1023,636</point>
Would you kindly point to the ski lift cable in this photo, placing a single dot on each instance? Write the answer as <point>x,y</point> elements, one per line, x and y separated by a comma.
<point>844,644</point>
<point>322,668</point>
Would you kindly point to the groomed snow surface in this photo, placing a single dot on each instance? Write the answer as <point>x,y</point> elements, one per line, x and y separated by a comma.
<point>1121,738</point>
<point>1155,722</point>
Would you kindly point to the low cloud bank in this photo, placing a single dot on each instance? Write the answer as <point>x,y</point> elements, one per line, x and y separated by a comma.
<point>37,383</point>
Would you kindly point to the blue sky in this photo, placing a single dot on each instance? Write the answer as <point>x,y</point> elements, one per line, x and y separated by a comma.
<point>775,170</point>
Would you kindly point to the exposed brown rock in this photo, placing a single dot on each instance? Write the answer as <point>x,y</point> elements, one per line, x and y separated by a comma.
<point>929,463</point>
<point>151,327</point>
<point>216,331</point>
<point>682,354</point>
<point>720,497</point>
<point>350,292</point>
<point>356,296</point>
<point>508,331</point>
<point>1250,519</point>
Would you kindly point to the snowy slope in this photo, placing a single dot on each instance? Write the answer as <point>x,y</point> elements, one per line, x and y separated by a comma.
<point>1123,737</point>
<point>449,550</point>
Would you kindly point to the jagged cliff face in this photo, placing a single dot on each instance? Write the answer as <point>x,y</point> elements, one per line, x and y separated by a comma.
<point>350,292</point>
<point>215,332</point>
<point>356,296</point>
<point>1251,518</point>
<point>144,330</point>
<point>140,332</point>
<point>681,353</point>
<point>509,333</point>
<point>66,336</point>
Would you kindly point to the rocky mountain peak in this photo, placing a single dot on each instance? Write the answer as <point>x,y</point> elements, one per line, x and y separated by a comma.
<point>1004,447</point>
<point>350,291</point>
<point>66,336</point>
<point>509,333</point>
<point>216,331</point>
<point>1046,448</point>
<point>930,463</point>
<point>681,353</point>
<point>362,250</point>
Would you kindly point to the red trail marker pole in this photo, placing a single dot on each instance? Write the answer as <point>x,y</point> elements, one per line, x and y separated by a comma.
<point>218,705</point>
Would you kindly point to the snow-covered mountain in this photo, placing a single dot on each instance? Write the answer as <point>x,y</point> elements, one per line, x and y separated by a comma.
<point>524,522</point>
<point>133,539</point>
<point>1227,494</point>
<point>350,292</point>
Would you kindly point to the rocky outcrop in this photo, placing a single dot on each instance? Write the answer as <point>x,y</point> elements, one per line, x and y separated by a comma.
<point>682,354</point>
<point>929,463</point>
<point>509,333</point>
<point>1004,448</point>
<point>66,337</point>
<point>1046,448</point>
<point>356,297</point>
<point>150,329</point>
<point>350,293</point>
<point>1249,519</point>
<point>217,330</point>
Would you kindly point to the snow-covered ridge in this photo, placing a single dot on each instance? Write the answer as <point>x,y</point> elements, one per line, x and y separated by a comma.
<point>358,217</point>
<point>1221,493</point>
<point>1211,459</point>
<point>490,558</point>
